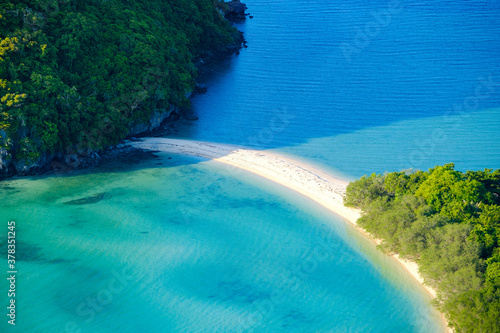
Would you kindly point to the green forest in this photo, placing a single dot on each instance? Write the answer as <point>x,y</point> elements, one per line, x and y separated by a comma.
<point>75,75</point>
<point>449,223</point>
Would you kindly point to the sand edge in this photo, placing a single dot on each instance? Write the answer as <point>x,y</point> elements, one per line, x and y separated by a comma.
<point>311,182</point>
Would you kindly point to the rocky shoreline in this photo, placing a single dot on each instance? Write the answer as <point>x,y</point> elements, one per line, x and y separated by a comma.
<point>74,159</point>
<point>235,10</point>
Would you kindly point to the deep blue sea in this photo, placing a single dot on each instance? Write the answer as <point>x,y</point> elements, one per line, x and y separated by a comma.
<point>181,244</point>
<point>362,86</point>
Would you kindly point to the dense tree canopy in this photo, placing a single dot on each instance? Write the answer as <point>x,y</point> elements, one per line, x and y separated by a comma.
<point>77,74</point>
<point>449,222</point>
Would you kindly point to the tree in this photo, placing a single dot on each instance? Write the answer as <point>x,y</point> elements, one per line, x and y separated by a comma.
<point>449,222</point>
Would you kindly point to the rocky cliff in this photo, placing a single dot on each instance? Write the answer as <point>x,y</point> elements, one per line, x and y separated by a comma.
<point>73,87</point>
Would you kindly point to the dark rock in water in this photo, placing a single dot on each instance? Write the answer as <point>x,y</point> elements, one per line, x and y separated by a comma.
<point>59,261</point>
<point>190,117</point>
<point>27,251</point>
<point>235,10</point>
<point>200,88</point>
<point>89,200</point>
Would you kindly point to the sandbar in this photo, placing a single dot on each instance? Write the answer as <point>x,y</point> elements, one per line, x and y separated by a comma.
<point>311,182</point>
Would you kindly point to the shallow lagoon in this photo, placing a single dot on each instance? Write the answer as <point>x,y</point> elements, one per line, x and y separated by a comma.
<point>190,246</point>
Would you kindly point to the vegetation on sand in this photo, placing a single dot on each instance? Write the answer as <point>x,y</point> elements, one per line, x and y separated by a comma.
<point>449,223</point>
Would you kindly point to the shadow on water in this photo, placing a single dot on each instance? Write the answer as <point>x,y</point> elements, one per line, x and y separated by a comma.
<point>296,82</point>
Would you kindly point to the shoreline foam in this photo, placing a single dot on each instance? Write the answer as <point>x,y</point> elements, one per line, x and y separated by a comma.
<point>303,178</point>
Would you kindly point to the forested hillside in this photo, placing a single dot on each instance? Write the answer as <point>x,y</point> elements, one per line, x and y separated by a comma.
<point>448,222</point>
<point>77,75</point>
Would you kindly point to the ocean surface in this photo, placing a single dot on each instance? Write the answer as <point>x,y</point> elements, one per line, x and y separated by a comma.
<point>182,244</point>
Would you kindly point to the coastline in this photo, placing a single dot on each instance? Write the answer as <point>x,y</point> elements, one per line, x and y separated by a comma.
<point>300,177</point>
<point>74,157</point>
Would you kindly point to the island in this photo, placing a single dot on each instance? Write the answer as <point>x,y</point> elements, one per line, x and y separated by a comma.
<point>78,76</point>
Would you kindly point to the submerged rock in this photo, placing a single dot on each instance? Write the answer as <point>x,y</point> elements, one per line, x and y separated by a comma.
<point>190,116</point>
<point>200,88</point>
<point>88,200</point>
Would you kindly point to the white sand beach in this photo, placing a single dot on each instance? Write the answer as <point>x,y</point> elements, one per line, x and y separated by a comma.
<point>303,178</point>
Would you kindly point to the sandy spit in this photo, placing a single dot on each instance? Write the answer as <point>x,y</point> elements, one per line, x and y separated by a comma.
<point>315,184</point>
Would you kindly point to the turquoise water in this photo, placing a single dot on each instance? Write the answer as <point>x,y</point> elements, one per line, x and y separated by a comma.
<point>187,245</point>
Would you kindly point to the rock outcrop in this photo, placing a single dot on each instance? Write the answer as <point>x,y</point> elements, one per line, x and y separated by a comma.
<point>157,117</point>
<point>5,157</point>
<point>29,167</point>
<point>235,10</point>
